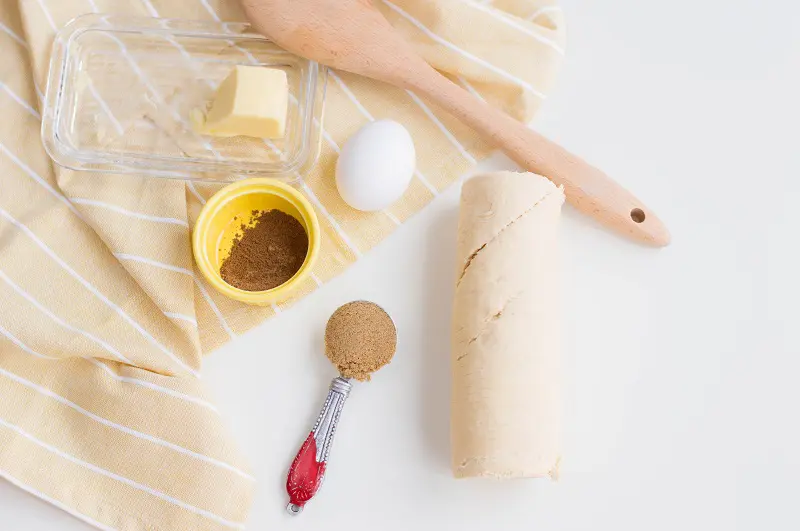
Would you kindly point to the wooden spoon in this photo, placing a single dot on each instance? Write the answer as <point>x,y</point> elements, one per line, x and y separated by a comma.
<point>352,35</point>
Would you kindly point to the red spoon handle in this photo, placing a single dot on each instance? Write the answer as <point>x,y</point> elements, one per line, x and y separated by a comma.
<point>308,468</point>
<point>305,475</point>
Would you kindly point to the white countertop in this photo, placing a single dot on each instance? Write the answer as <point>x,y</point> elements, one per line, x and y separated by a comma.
<point>682,364</point>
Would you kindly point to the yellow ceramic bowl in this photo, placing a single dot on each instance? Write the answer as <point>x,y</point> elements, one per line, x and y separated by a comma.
<point>216,227</point>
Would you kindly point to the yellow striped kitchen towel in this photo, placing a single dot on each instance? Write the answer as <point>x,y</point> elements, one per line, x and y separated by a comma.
<point>103,320</point>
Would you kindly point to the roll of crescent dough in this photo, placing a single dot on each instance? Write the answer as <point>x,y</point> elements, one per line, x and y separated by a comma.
<point>506,394</point>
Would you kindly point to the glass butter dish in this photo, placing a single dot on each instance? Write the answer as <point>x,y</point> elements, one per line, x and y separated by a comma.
<point>121,92</point>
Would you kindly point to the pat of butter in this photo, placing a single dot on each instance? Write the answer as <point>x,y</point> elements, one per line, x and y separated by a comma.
<point>252,101</point>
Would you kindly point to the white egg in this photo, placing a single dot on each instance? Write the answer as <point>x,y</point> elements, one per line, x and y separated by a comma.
<point>375,166</point>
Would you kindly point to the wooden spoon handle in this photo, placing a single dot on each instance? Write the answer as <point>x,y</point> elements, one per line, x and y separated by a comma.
<point>587,188</point>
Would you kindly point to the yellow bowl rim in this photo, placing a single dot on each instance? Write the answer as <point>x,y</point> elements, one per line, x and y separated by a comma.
<point>260,184</point>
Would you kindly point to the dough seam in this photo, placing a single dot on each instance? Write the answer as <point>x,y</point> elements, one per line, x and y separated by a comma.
<point>485,328</point>
<point>477,251</point>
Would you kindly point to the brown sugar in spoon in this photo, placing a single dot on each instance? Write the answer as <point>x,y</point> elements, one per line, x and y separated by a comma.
<point>360,338</point>
<point>352,35</point>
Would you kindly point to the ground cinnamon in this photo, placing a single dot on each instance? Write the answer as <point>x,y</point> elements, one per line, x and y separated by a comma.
<point>267,252</point>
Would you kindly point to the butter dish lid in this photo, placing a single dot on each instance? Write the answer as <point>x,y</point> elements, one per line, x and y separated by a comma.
<point>122,90</point>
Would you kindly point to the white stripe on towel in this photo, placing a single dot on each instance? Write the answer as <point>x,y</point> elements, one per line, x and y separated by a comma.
<point>170,39</point>
<point>17,483</point>
<point>92,338</point>
<point>19,40</point>
<point>502,17</point>
<point>182,317</point>
<point>11,337</point>
<point>154,263</point>
<point>489,66</point>
<point>210,10</point>
<point>107,369</point>
<point>106,109</point>
<point>214,308</point>
<point>195,193</point>
<point>328,137</point>
<point>130,213</point>
<point>86,284</point>
<point>215,16</point>
<point>314,199</point>
<point>47,14</point>
<point>38,92</point>
<point>39,179</point>
<point>154,387</point>
<point>121,479</point>
<point>392,217</point>
<point>541,11</point>
<point>151,10</point>
<point>350,95</point>
<point>124,429</point>
<point>442,128</point>
<point>59,321</point>
<point>25,105</point>
<point>472,90</point>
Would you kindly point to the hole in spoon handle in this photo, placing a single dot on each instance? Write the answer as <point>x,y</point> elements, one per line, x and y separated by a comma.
<point>638,215</point>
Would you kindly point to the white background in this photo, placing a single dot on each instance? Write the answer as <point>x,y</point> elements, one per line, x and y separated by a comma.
<point>683,364</point>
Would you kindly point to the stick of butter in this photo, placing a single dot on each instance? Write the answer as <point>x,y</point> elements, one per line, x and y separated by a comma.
<point>252,101</point>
